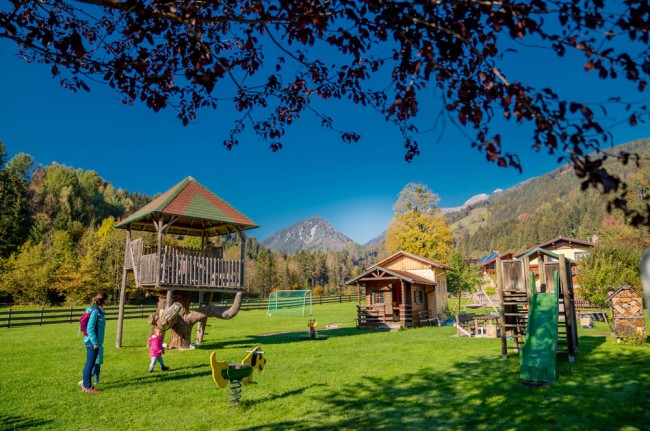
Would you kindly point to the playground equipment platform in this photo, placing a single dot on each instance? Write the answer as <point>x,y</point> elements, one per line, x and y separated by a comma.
<point>529,316</point>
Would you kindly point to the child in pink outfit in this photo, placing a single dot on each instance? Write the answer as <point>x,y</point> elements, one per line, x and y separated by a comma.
<point>156,350</point>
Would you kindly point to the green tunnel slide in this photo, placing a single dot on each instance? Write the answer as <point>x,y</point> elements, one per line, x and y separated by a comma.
<point>538,357</point>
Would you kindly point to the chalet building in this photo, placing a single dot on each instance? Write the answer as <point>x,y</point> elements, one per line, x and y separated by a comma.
<point>403,290</point>
<point>488,263</point>
<point>571,248</point>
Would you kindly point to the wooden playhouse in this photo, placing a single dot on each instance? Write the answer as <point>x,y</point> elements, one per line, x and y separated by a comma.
<point>403,290</point>
<point>173,273</point>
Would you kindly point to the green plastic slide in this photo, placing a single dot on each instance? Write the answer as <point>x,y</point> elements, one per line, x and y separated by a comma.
<point>538,357</point>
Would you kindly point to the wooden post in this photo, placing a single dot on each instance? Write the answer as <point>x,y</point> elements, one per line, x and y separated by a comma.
<point>120,312</point>
<point>169,297</point>
<point>489,300</point>
<point>502,308</point>
<point>645,275</point>
<point>242,246</point>
<point>569,310</point>
<point>402,311</point>
<point>201,325</point>
<point>542,273</point>
<point>526,279</point>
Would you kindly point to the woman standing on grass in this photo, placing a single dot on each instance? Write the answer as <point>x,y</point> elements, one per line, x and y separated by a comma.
<point>94,339</point>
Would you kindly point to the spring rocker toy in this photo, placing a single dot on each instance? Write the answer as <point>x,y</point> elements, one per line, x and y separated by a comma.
<point>313,335</point>
<point>236,374</point>
<point>312,328</point>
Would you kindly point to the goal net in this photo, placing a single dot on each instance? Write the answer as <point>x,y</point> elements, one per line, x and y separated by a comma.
<point>290,303</point>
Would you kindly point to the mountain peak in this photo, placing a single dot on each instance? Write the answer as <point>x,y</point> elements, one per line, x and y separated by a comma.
<point>314,233</point>
<point>471,201</point>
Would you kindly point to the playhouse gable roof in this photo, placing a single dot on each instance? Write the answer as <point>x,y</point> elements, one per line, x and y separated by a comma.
<point>540,251</point>
<point>378,272</point>
<point>402,254</point>
<point>194,210</point>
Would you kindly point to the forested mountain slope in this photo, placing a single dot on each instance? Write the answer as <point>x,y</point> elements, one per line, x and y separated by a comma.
<point>544,207</point>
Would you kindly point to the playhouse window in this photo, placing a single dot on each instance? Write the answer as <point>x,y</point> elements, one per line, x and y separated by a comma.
<point>418,297</point>
<point>378,297</point>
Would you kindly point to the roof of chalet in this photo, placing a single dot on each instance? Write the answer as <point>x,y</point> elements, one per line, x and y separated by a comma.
<point>378,273</point>
<point>545,245</point>
<point>488,257</point>
<point>402,253</point>
<point>194,210</point>
<point>502,256</point>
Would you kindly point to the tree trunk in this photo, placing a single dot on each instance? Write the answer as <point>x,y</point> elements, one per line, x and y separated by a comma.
<point>181,321</point>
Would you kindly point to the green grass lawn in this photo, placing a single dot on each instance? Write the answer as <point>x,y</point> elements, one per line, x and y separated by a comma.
<point>421,378</point>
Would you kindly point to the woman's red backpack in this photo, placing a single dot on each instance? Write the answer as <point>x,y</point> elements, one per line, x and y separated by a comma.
<point>83,321</point>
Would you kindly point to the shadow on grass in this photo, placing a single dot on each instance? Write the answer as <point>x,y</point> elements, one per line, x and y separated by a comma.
<point>20,422</point>
<point>286,337</point>
<point>276,397</point>
<point>602,390</point>
<point>181,374</point>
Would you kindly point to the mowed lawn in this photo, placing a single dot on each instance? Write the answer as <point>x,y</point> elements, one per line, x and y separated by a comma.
<point>419,379</point>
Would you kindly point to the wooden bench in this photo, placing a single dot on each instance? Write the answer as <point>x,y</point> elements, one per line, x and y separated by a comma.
<point>594,314</point>
<point>426,319</point>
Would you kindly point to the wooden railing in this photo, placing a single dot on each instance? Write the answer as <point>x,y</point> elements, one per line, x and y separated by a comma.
<point>200,271</point>
<point>583,303</point>
<point>369,316</point>
<point>406,315</point>
<point>148,269</point>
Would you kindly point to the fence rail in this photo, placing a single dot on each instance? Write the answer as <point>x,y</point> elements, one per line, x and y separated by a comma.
<point>46,316</point>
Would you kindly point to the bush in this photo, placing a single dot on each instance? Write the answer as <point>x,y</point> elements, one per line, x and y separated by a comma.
<point>608,267</point>
<point>632,337</point>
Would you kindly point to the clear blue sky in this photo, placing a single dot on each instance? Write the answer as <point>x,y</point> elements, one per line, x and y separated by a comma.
<point>351,185</point>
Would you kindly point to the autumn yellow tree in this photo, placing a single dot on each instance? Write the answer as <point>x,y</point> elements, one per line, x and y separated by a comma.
<point>418,226</point>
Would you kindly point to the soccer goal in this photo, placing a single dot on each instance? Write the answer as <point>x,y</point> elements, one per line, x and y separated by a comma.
<point>290,303</point>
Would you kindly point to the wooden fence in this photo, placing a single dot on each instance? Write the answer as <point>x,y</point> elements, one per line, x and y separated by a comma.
<point>12,318</point>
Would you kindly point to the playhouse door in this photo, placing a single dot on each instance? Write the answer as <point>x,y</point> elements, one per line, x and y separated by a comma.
<point>397,300</point>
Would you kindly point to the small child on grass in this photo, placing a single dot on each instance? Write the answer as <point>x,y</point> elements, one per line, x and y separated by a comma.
<point>156,350</point>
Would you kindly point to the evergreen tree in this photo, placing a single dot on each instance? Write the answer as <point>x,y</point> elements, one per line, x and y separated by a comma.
<point>14,214</point>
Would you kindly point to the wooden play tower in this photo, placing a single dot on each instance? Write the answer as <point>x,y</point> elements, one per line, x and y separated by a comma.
<point>189,209</point>
<point>513,289</point>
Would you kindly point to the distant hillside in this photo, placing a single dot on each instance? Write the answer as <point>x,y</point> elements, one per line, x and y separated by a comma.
<point>541,208</point>
<point>312,234</point>
<point>376,240</point>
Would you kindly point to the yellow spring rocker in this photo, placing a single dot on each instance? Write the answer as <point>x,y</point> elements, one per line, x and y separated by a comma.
<point>235,375</point>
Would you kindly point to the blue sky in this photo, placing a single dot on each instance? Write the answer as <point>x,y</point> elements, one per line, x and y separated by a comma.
<point>351,185</point>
